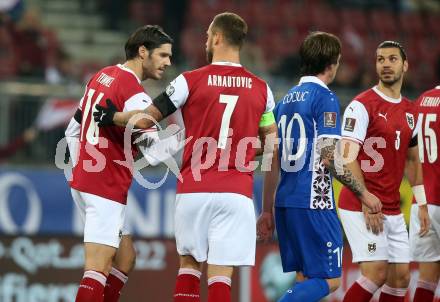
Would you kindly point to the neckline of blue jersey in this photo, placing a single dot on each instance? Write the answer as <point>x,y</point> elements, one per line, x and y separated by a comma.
<point>312,79</point>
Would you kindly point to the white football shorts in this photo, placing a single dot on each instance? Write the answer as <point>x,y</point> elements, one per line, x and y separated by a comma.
<point>391,245</point>
<point>219,228</point>
<point>103,218</point>
<point>426,248</point>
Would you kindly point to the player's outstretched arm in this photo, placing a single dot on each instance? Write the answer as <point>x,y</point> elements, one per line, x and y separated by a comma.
<point>414,173</point>
<point>109,116</point>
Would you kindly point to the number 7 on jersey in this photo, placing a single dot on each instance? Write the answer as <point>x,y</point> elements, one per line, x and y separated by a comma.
<point>230,101</point>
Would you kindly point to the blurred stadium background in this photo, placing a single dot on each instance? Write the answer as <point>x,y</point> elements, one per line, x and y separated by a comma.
<point>48,50</point>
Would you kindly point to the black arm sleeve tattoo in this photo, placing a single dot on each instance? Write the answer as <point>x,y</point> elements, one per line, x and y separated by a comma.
<point>343,174</point>
<point>164,104</point>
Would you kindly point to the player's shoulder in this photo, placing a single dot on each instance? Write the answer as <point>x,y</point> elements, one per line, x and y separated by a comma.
<point>366,96</point>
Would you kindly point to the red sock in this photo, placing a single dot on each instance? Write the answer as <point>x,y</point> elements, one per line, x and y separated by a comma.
<point>219,289</point>
<point>91,288</point>
<point>389,294</point>
<point>115,282</point>
<point>425,291</point>
<point>362,290</point>
<point>187,285</point>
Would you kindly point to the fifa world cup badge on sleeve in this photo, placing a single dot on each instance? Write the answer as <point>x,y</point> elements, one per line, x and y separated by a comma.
<point>330,119</point>
<point>349,124</point>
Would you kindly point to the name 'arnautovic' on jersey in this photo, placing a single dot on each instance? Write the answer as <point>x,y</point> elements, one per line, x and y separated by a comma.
<point>385,128</point>
<point>308,112</point>
<point>100,149</point>
<point>222,104</point>
<point>428,108</point>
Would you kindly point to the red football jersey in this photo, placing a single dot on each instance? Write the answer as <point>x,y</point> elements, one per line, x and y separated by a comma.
<point>429,115</point>
<point>97,171</point>
<point>222,105</point>
<point>384,127</point>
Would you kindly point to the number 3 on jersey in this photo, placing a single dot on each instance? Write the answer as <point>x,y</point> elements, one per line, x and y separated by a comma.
<point>230,101</point>
<point>92,134</point>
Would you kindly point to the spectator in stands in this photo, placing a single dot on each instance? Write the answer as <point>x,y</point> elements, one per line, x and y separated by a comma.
<point>9,149</point>
<point>34,45</point>
<point>7,57</point>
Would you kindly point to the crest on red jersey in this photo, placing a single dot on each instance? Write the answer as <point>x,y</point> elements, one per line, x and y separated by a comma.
<point>410,120</point>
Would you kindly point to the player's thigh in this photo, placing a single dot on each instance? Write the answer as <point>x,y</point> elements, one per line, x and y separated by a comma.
<point>289,250</point>
<point>98,257</point>
<point>364,244</point>
<point>397,238</point>
<point>104,220</point>
<point>375,271</point>
<point>429,271</point>
<point>426,248</point>
<point>125,256</point>
<point>322,256</point>
<point>232,230</point>
<point>398,275</point>
<point>192,218</point>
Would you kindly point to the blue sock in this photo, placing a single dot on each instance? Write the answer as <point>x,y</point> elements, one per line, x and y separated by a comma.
<point>311,290</point>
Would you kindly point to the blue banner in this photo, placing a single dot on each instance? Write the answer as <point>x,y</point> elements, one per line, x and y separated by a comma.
<point>38,201</point>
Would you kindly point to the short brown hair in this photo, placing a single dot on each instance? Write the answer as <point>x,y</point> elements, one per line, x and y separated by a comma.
<point>232,26</point>
<point>318,51</point>
<point>394,44</point>
<point>150,36</point>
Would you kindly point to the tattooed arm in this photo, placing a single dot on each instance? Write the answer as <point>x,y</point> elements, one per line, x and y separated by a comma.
<point>346,169</point>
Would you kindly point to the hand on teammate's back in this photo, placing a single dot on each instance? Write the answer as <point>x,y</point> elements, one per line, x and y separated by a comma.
<point>104,115</point>
<point>265,226</point>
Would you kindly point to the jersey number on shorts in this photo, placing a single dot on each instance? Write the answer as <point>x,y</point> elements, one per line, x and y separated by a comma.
<point>286,134</point>
<point>428,138</point>
<point>92,131</point>
<point>230,101</point>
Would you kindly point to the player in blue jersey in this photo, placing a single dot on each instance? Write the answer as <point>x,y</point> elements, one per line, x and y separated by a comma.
<point>309,232</point>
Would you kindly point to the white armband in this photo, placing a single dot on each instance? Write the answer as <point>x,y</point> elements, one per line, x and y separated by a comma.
<point>419,194</point>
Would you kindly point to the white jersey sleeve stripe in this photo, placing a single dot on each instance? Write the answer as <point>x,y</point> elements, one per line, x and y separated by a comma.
<point>329,136</point>
<point>139,101</point>
<point>270,104</point>
<point>353,140</point>
<point>178,91</point>
<point>355,121</point>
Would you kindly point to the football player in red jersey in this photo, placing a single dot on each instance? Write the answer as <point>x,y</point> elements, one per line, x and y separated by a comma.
<point>225,108</point>
<point>426,250</point>
<point>100,184</point>
<point>380,133</point>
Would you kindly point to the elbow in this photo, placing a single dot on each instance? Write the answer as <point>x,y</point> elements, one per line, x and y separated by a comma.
<point>326,162</point>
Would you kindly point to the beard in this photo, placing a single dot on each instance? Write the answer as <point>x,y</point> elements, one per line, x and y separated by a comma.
<point>389,81</point>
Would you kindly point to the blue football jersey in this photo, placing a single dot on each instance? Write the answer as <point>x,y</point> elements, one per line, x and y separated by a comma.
<point>307,112</point>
